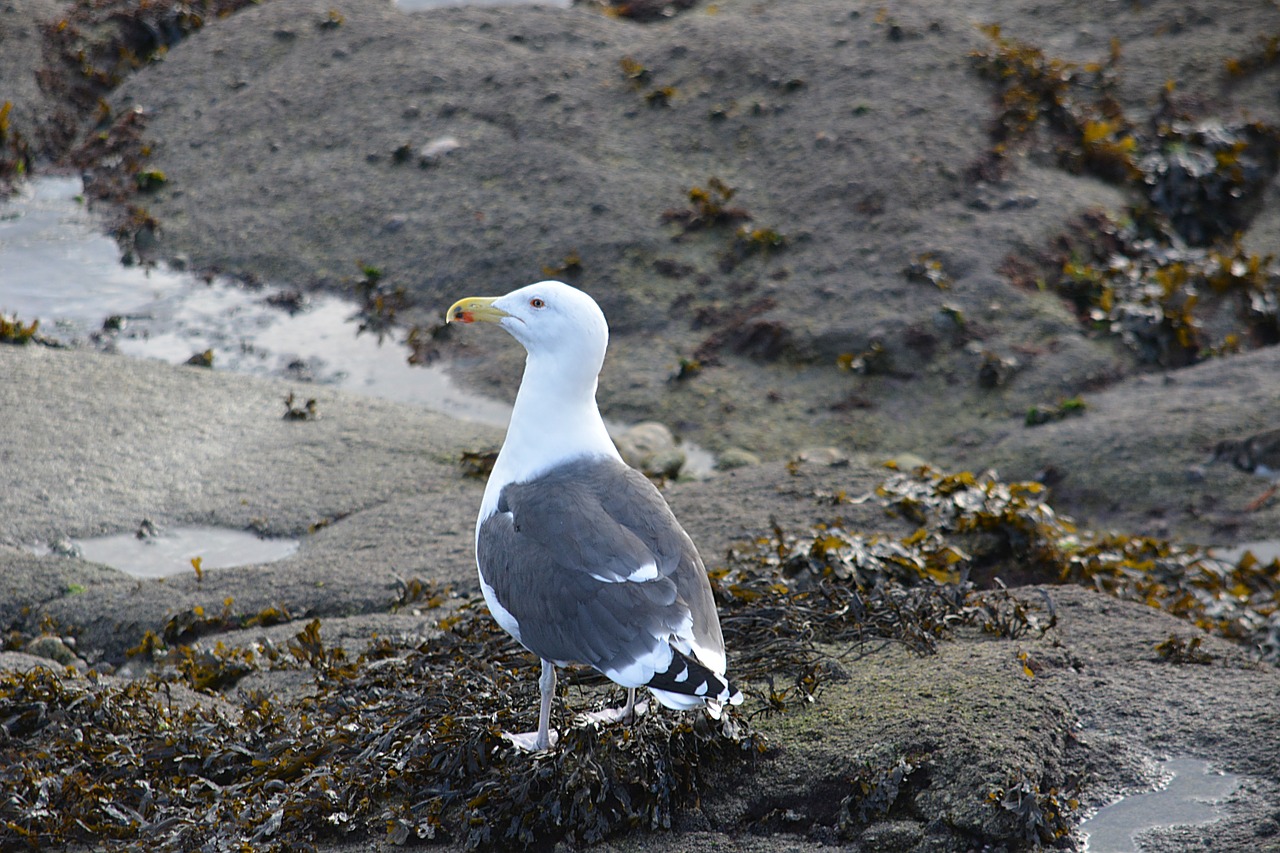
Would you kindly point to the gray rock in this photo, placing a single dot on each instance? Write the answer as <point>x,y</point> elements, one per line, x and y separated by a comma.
<point>54,649</point>
<point>861,167</point>
<point>735,457</point>
<point>652,448</point>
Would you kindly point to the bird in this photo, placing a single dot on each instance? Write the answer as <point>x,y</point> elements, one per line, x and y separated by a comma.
<point>580,558</point>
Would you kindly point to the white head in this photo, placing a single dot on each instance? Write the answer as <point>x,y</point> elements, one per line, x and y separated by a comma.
<point>555,323</point>
<point>555,416</point>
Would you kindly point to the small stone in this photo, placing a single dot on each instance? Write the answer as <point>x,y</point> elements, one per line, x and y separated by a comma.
<point>64,547</point>
<point>665,463</point>
<point>436,149</point>
<point>907,462</point>
<point>650,447</point>
<point>736,457</point>
<point>828,456</point>
<point>53,649</point>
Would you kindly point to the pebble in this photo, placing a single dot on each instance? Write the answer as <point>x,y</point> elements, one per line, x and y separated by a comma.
<point>651,447</point>
<point>736,457</point>
<point>56,650</point>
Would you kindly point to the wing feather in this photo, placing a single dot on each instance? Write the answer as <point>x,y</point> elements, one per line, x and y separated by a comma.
<point>591,563</point>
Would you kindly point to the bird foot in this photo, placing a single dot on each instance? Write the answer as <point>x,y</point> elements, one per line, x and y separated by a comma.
<point>612,715</point>
<point>528,741</point>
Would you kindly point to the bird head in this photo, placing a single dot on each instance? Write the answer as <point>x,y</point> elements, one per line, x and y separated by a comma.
<point>550,319</point>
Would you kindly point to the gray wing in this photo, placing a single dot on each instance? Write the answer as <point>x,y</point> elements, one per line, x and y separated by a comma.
<point>595,568</point>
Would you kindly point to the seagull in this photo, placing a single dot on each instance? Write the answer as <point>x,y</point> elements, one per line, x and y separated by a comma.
<point>580,558</point>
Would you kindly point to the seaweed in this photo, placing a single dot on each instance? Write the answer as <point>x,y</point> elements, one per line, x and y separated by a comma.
<point>568,269</point>
<point>1148,274</point>
<point>403,742</point>
<point>97,43</point>
<point>1037,415</point>
<point>875,360</point>
<point>995,369</point>
<point>379,303</point>
<point>643,11</point>
<point>423,342</point>
<point>877,789</point>
<point>15,151</point>
<point>639,76</point>
<point>150,179</point>
<point>1039,91</point>
<point>188,625</point>
<point>660,97</point>
<point>14,331</point>
<point>306,412</point>
<point>1009,530</point>
<point>1133,279</point>
<point>331,20</point>
<point>201,359</point>
<point>477,464</point>
<point>927,269</point>
<point>1043,816</point>
<point>708,207</point>
<point>634,71</point>
<point>1182,650</point>
<point>686,368</point>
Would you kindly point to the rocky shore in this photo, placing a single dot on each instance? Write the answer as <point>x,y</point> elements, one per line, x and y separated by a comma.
<point>815,225</point>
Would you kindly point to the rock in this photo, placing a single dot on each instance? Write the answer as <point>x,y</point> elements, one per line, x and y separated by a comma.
<point>55,650</point>
<point>651,447</point>
<point>23,662</point>
<point>64,547</point>
<point>735,457</point>
<point>968,719</point>
<point>828,456</point>
<point>436,149</point>
<point>901,119</point>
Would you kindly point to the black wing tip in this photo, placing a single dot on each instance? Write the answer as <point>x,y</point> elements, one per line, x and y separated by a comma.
<point>689,677</point>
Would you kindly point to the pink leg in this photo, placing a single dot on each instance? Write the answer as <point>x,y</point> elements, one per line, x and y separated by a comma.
<point>543,738</point>
<point>627,713</point>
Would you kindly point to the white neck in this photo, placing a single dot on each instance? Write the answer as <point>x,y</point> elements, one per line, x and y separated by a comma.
<point>552,421</point>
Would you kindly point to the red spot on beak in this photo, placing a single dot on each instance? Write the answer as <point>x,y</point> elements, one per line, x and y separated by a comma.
<point>464,317</point>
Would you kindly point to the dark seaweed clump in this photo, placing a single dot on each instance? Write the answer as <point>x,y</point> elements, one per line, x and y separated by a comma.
<point>403,741</point>
<point>97,43</point>
<point>785,596</point>
<point>1170,303</point>
<point>1008,531</point>
<point>1167,275</point>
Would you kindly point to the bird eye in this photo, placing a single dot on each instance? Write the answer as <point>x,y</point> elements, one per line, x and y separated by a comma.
<point>537,303</point>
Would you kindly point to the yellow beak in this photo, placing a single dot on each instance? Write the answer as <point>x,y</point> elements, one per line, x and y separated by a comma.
<point>475,309</point>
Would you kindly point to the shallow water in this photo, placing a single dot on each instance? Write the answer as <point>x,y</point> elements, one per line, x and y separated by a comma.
<point>1190,798</point>
<point>57,267</point>
<point>1264,550</point>
<point>170,551</point>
